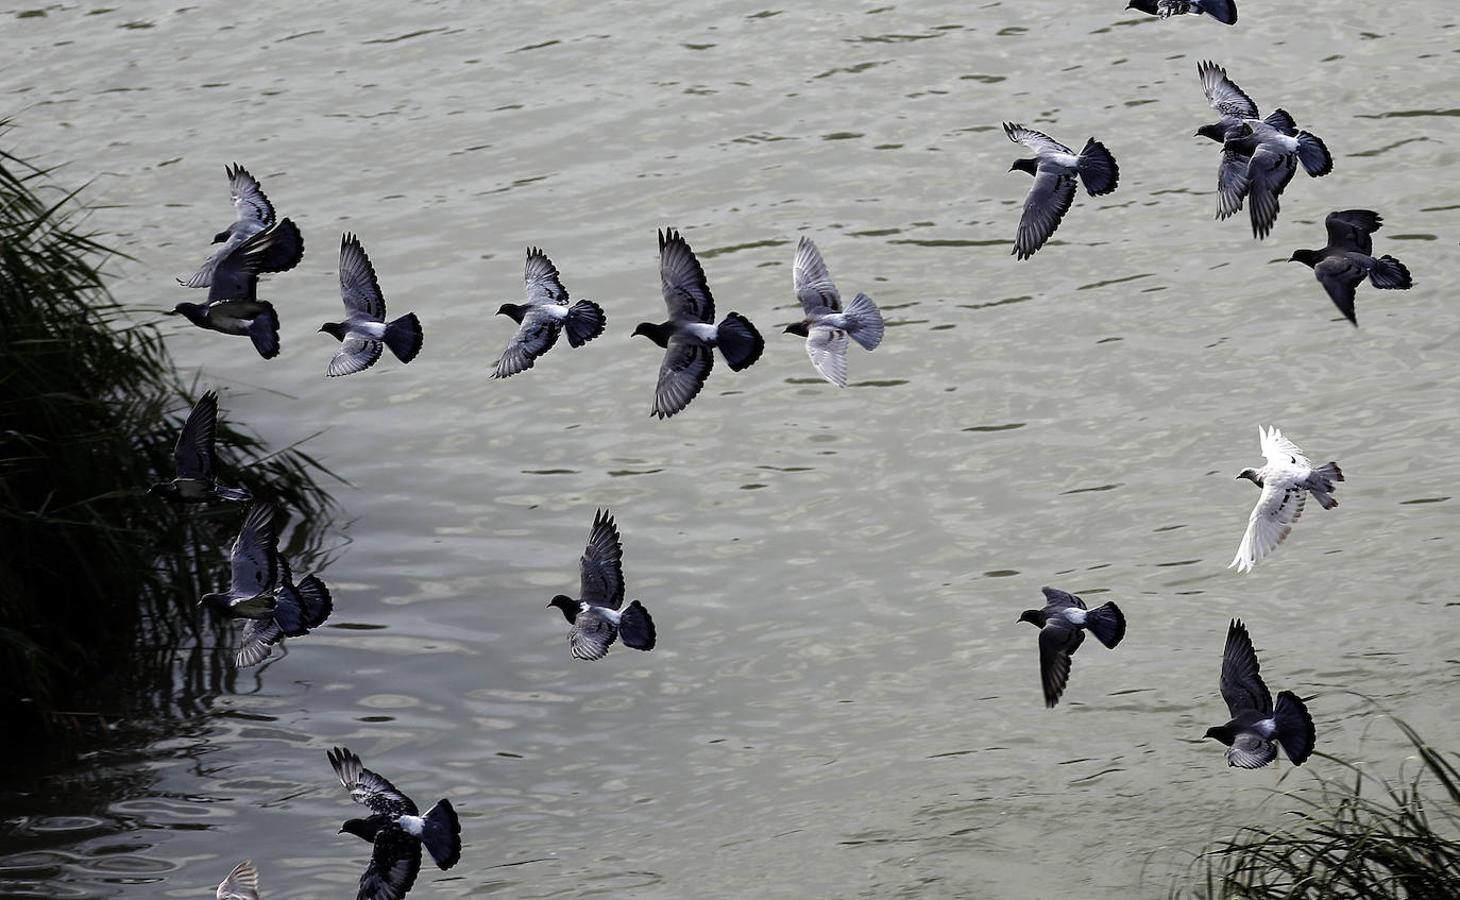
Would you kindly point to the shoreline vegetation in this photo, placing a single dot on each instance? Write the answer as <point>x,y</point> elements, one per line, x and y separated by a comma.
<point>99,582</point>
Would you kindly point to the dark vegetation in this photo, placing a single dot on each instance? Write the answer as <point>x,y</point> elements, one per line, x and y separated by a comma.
<point>98,581</point>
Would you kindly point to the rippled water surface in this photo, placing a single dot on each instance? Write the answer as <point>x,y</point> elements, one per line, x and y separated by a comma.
<point>842,703</point>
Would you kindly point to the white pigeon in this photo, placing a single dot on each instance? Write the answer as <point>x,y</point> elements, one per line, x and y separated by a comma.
<point>1286,481</point>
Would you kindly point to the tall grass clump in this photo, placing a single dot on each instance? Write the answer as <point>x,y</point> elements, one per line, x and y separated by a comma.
<point>98,581</point>
<point>1354,835</point>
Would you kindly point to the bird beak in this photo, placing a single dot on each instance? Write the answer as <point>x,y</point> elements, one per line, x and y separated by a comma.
<point>321,328</point>
<point>172,312</point>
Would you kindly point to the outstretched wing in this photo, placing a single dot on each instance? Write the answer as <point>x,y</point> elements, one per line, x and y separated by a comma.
<point>1058,640</point>
<point>687,363</point>
<point>591,634</point>
<point>541,278</point>
<point>1270,523</point>
<point>1055,598</point>
<point>1350,229</point>
<point>1242,685</point>
<point>813,283</point>
<point>1223,94</point>
<point>252,210</point>
<point>1041,143</point>
<point>194,451</point>
<point>686,292</point>
<point>368,788</point>
<point>241,884</point>
<point>1048,201</point>
<point>534,336</point>
<point>355,354</point>
<point>827,348</point>
<point>394,864</point>
<point>1340,277</point>
<point>1280,451</point>
<point>255,556</point>
<point>602,565</point>
<point>359,287</point>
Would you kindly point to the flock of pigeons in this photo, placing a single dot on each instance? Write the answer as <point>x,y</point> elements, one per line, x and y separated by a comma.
<point>1259,158</point>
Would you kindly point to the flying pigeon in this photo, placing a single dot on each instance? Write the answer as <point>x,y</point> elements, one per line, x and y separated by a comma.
<point>1235,107</point>
<point>395,829</point>
<point>255,568</point>
<point>596,616</point>
<point>827,328</point>
<point>233,306</point>
<point>365,330</point>
<point>1062,624</point>
<point>298,610</point>
<point>241,884</point>
<point>545,313</point>
<point>1224,11</point>
<point>690,332</point>
<point>1286,481</point>
<point>1255,722</point>
<point>253,214</point>
<point>1348,259</point>
<point>195,460</point>
<point>1055,168</point>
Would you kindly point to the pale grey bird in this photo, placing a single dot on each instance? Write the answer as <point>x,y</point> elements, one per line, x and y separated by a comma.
<point>1348,259</point>
<point>1256,723</point>
<point>195,460</point>
<point>1235,107</point>
<point>1286,481</point>
<point>690,334</point>
<point>1062,624</point>
<point>364,330</point>
<point>598,616</point>
<point>298,610</point>
<point>544,315</point>
<point>1056,168</point>
<point>1224,11</point>
<point>827,328</point>
<point>253,214</point>
<point>241,884</point>
<point>255,570</point>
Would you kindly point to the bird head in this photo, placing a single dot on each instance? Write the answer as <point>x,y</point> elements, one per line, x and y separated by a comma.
<point>1308,258</point>
<point>365,829</point>
<point>1025,165</point>
<point>336,330</point>
<point>1251,475</point>
<point>1221,733</point>
<point>567,606</point>
<point>1033,617</point>
<point>659,334</point>
<point>1215,131</point>
<point>799,329</point>
<point>220,237</point>
<point>515,310</point>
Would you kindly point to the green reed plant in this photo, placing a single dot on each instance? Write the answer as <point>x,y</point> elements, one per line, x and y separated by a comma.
<point>1353,835</point>
<point>98,581</point>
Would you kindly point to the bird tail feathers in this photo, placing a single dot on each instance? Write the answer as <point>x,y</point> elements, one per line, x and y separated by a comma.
<point>1314,155</point>
<point>285,248</point>
<point>1283,121</point>
<point>636,628</point>
<point>1107,623</point>
<point>1321,484</point>
<point>1294,729</point>
<point>441,833</point>
<point>1224,11</point>
<point>264,332</point>
<point>585,322</point>
<point>232,493</point>
<point>1098,169</point>
<point>739,341</point>
<point>289,611</point>
<point>864,321</point>
<point>404,337</point>
<point>315,600</point>
<point>1390,274</point>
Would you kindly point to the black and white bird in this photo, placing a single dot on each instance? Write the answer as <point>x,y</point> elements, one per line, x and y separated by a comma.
<point>195,460</point>
<point>544,315</point>
<point>241,884</point>
<point>1056,168</point>
<point>1349,258</point>
<point>1257,725</point>
<point>1062,624</point>
<point>233,306</point>
<point>364,331</point>
<point>298,609</point>
<point>254,562</point>
<point>396,829</point>
<point>1235,107</point>
<point>690,333</point>
<point>1286,481</point>
<point>828,328</point>
<point>253,214</point>
<point>1224,11</point>
<point>599,615</point>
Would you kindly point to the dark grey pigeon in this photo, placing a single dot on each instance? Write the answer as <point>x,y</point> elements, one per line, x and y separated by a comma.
<point>1062,624</point>
<point>253,214</point>
<point>1224,11</point>
<point>1256,723</point>
<point>395,829</point>
<point>1236,108</point>
<point>828,328</point>
<point>1348,259</point>
<point>233,306</point>
<point>365,331</point>
<point>1055,168</point>
<point>241,884</point>
<point>298,610</point>
<point>690,334</point>
<point>255,570</point>
<point>596,616</point>
<point>195,460</point>
<point>544,315</point>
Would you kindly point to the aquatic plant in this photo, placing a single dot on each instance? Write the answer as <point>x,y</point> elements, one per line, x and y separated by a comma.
<point>98,581</point>
<point>1353,835</point>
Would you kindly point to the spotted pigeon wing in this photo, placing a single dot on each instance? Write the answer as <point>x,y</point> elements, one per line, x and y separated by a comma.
<point>365,787</point>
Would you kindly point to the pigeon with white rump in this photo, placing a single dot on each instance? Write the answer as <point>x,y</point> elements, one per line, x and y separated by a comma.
<point>544,315</point>
<point>195,460</point>
<point>254,565</point>
<point>1257,726</point>
<point>690,334</point>
<point>1062,624</point>
<point>241,884</point>
<point>1286,481</point>
<point>1348,259</point>
<point>364,331</point>
<point>298,609</point>
<point>1235,107</point>
<point>1224,11</point>
<point>828,328</point>
<point>598,616</point>
<point>396,829</point>
<point>253,214</point>
<point>1056,168</point>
